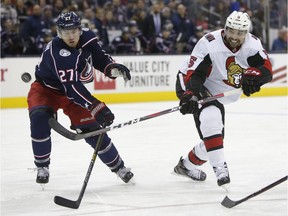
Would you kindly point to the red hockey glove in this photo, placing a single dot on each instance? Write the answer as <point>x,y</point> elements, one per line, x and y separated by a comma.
<point>102,113</point>
<point>251,81</point>
<point>115,70</point>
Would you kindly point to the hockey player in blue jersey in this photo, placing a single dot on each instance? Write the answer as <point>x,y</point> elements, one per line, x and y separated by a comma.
<point>65,66</point>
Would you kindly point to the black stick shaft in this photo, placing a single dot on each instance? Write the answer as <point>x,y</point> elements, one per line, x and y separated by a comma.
<point>75,204</point>
<point>73,136</point>
<point>265,189</point>
<point>228,203</point>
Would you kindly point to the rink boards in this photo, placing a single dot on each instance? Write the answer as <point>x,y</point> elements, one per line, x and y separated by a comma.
<point>153,79</point>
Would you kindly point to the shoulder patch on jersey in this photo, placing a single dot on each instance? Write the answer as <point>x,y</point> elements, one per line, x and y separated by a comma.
<point>64,53</point>
<point>85,29</point>
<point>210,37</point>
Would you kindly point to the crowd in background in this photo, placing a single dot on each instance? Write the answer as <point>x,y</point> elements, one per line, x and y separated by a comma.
<point>134,26</point>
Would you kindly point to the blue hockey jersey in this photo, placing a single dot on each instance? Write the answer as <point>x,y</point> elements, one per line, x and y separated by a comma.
<point>67,69</point>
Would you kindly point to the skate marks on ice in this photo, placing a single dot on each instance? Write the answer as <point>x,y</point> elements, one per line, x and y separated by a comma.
<point>256,130</point>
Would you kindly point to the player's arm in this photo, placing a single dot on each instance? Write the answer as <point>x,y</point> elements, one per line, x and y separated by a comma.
<point>199,66</point>
<point>77,92</point>
<point>180,86</point>
<point>258,74</point>
<point>196,77</point>
<point>103,62</point>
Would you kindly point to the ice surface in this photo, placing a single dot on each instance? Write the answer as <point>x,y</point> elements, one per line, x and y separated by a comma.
<point>255,148</point>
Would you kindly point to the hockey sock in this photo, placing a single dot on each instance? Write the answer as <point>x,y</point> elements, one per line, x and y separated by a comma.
<point>108,153</point>
<point>196,157</point>
<point>40,135</point>
<point>110,156</point>
<point>215,150</point>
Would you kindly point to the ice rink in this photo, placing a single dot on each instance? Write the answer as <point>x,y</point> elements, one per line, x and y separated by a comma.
<point>255,147</point>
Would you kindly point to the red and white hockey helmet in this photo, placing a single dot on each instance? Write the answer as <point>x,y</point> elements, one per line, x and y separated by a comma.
<point>238,20</point>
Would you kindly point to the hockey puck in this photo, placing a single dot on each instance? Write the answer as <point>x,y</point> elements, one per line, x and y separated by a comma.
<point>26,77</point>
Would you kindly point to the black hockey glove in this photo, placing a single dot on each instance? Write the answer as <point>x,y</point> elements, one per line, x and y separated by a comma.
<point>102,113</point>
<point>115,70</point>
<point>188,103</point>
<point>251,81</point>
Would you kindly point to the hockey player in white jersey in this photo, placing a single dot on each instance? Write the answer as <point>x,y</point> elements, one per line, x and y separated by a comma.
<point>221,61</point>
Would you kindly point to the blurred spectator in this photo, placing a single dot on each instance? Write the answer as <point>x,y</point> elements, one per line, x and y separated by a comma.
<point>183,27</point>
<point>7,11</point>
<point>223,11</point>
<point>100,3</point>
<point>199,32</point>
<point>150,15</point>
<point>72,6</point>
<point>131,9</point>
<point>256,25</point>
<point>202,20</point>
<point>31,29</point>
<point>172,4</point>
<point>141,5</point>
<point>110,22</point>
<point>43,3</point>
<point>119,13</point>
<point>280,43</point>
<point>83,5</point>
<point>21,11</point>
<point>235,6</point>
<point>274,14</point>
<point>153,22</point>
<point>43,39</point>
<point>164,42</point>
<point>142,44</point>
<point>85,23</point>
<point>11,43</point>
<point>48,18</point>
<point>123,44</point>
<point>89,15</point>
<point>99,22</point>
<point>140,18</point>
<point>58,7</point>
<point>219,25</point>
<point>166,14</point>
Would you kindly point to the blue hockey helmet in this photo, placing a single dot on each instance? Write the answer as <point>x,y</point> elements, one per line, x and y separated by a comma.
<point>68,20</point>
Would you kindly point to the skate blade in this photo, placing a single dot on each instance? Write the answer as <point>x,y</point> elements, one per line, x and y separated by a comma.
<point>42,187</point>
<point>226,188</point>
<point>131,182</point>
<point>184,176</point>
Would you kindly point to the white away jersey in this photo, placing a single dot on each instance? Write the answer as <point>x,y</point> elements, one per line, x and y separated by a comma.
<point>227,66</point>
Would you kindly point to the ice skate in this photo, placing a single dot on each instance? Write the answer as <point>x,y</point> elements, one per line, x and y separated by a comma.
<point>222,175</point>
<point>195,174</point>
<point>125,174</point>
<point>42,175</point>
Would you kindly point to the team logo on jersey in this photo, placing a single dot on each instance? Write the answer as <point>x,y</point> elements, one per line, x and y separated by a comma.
<point>64,53</point>
<point>234,73</point>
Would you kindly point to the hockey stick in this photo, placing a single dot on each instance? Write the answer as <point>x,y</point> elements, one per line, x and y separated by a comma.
<point>228,203</point>
<point>75,204</point>
<point>74,136</point>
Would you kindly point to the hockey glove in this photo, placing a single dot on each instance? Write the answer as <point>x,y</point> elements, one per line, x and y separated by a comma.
<point>188,103</point>
<point>251,81</point>
<point>102,113</point>
<point>115,70</point>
